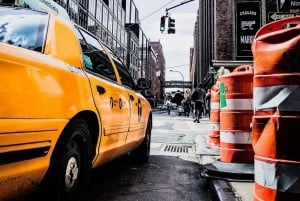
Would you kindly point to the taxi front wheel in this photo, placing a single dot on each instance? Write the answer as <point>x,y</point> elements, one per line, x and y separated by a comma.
<point>68,176</point>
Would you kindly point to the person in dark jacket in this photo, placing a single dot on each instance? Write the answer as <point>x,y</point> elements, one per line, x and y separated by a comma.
<point>198,96</point>
<point>207,102</point>
<point>186,102</point>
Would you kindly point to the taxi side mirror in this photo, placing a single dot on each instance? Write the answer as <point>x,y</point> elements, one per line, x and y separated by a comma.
<point>143,84</point>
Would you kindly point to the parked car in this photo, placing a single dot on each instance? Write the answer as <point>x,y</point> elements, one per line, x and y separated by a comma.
<point>68,105</point>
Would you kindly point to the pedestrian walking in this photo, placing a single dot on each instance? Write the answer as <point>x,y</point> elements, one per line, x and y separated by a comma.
<point>198,96</point>
<point>207,102</point>
<point>168,104</point>
<point>186,102</point>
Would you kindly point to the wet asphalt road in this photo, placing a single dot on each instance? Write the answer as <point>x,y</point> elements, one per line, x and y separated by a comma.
<point>164,178</point>
<point>167,177</point>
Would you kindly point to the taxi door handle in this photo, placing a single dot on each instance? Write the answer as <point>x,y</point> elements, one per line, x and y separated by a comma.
<point>131,97</point>
<point>101,90</point>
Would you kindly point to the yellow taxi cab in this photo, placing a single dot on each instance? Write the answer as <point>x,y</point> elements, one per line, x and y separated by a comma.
<point>67,105</point>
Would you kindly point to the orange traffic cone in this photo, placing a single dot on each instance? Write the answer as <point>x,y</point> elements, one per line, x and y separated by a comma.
<point>236,116</point>
<point>276,120</point>
<point>213,140</point>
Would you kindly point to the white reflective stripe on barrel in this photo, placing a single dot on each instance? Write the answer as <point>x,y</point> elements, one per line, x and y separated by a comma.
<point>238,104</point>
<point>236,137</point>
<point>214,105</point>
<point>283,97</point>
<point>214,126</point>
<point>278,176</point>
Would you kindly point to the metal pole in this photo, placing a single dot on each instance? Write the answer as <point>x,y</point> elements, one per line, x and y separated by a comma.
<point>182,78</point>
<point>178,5</point>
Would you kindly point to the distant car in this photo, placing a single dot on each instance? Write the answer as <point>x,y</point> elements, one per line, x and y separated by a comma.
<point>68,105</point>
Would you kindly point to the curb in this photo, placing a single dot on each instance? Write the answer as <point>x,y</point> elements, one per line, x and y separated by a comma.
<point>229,171</point>
<point>222,191</point>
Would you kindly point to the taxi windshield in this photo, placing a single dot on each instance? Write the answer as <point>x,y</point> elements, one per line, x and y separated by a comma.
<point>23,28</point>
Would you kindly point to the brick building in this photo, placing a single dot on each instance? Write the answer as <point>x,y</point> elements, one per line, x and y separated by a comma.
<point>224,31</point>
<point>161,66</point>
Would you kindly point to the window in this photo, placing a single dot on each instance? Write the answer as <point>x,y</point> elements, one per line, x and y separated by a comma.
<point>73,10</point>
<point>83,3</point>
<point>99,12</point>
<point>15,30</point>
<point>109,23</point>
<point>92,7</point>
<point>125,76</point>
<point>105,17</point>
<point>82,20</point>
<point>94,56</point>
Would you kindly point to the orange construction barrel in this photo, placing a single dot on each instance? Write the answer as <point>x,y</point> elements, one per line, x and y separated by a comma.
<point>213,140</point>
<point>276,120</point>
<point>236,96</point>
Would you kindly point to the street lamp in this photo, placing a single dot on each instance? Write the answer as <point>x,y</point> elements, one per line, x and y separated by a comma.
<point>182,78</point>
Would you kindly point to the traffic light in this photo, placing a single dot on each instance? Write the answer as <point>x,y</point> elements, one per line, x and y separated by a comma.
<point>171,26</point>
<point>162,23</point>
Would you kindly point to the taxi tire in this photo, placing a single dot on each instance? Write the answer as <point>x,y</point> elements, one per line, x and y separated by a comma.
<point>141,154</point>
<point>74,145</point>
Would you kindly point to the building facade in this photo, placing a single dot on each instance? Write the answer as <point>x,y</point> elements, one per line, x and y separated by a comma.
<point>160,71</point>
<point>225,29</point>
<point>115,22</point>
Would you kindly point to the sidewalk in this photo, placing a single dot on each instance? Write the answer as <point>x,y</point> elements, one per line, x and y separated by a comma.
<point>226,188</point>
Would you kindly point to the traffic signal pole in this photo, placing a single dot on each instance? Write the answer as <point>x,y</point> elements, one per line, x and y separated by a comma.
<point>171,21</point>
<point>167,9</point>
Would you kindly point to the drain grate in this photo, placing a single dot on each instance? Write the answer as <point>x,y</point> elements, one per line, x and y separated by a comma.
<point>176,148</point>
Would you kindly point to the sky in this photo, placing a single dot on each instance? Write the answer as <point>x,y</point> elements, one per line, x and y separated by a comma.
<point>176,47</point>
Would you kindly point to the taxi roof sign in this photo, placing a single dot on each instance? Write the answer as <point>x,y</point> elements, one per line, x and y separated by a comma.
<point>48,6</point>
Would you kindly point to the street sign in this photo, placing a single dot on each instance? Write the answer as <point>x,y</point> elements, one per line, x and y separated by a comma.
<point>273,16</point>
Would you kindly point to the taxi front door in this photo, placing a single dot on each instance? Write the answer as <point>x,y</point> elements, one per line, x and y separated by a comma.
<point>108,98</point>
<point>137,125</point>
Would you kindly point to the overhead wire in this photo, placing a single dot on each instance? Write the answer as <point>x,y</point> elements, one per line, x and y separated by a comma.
<point>157,10</point>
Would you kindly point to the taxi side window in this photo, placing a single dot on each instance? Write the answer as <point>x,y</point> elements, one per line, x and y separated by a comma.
<point>125,77</point>
<point>94,56</point>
